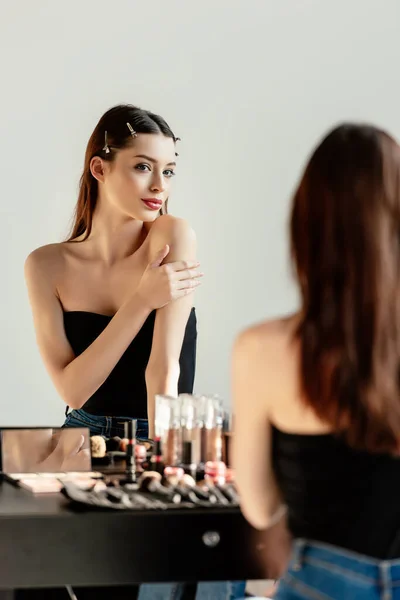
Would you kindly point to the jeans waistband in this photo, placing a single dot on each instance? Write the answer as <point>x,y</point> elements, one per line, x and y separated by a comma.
<point>104,419</point>
<point>103,425</point>
<point>385,573</point>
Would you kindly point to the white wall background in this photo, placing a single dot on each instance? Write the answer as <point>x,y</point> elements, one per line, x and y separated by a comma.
<point>249,86</point>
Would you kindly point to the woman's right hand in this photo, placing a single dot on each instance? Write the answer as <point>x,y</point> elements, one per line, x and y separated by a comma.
<point>162,283</point>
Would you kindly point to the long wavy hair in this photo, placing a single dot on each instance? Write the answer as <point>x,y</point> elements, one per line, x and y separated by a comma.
<point>345,243</point>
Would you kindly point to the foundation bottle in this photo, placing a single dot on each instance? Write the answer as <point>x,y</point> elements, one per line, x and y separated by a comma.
<point>191,424</point>
<point>168,428</point>
<point>211,433</point>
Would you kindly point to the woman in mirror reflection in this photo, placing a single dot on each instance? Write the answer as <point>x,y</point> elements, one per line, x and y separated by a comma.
<point>322,434</point>
<point>113,304</point>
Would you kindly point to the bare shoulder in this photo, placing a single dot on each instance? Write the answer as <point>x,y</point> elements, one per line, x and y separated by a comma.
<point>270,332</point>
<point>45,260</point>
<point>175,232</point>
<point>170,229</point>
<point>266,342</point>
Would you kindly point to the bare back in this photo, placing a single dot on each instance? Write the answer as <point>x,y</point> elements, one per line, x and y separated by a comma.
<point>266,391</point>
<point>278,379</point>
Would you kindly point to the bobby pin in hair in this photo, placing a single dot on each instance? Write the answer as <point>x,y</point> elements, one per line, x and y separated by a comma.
<point>177,140</point>
<point>106,148</point>
<point>133,132</point>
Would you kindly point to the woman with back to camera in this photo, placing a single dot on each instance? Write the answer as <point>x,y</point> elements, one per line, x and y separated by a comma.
<point>323,433</point>
<point>113,305</point>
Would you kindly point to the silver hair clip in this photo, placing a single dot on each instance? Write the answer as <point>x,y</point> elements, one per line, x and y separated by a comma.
<point>133,132</point>
<point>177,140</point>
<point>106,148</point>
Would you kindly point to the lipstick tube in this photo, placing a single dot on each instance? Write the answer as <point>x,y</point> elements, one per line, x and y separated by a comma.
<point>130,434</point>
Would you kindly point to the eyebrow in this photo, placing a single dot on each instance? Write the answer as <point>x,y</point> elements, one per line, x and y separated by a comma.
<point>153,160</point>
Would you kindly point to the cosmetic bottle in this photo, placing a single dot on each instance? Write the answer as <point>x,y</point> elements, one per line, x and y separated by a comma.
<point>191,425</point>
<point>188,464</point>
<point>211,433</point>
<point>168,428</point>
<point>227,433</point>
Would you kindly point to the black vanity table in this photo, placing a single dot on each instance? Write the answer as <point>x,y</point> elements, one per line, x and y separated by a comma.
<point>44,542</point>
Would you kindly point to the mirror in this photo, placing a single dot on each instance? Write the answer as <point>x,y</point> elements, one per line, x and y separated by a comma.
<point>45,450</point>
<point>266,79</point>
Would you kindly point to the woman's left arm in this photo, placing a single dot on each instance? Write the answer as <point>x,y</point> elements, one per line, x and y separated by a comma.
<point>251,452</point>
<point>163,370</point>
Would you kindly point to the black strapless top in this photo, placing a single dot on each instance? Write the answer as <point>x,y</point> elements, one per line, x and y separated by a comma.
<point>124,394</point>
<point>338,495</point>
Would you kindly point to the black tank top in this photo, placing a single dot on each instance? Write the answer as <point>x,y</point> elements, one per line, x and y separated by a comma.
<point>124,394</point>
<point>338,495</point>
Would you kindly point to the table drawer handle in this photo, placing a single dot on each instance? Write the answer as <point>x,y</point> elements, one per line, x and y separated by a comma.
<point>211,538</point>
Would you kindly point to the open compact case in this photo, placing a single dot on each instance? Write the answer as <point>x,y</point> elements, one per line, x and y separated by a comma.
<point>42,459</point>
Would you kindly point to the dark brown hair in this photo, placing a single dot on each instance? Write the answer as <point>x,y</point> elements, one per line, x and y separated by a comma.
<point>345,241</point>
<point>114,122</point>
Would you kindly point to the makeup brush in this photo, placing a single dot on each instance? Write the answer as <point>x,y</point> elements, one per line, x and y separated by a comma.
<point>229,492</point>
<point>151,483</point>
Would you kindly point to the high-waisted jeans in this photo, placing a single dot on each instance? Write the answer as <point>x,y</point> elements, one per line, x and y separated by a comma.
<point>323,572</point>
<point>107,426</point>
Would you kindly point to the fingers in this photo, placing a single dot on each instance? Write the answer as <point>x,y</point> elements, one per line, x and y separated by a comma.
<point>182,265</point>
<point>185,281</point>
<point>159,257</point>
<point>189,284</point>
<point>186,275</point>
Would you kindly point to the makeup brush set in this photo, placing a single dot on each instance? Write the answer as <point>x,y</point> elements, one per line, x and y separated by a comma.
<point>153,491</point>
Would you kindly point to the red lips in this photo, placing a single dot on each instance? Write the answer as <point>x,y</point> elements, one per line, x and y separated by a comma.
<point>152,203</point>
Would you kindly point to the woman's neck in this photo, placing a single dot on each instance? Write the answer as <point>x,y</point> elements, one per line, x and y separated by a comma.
<point>115,237</point>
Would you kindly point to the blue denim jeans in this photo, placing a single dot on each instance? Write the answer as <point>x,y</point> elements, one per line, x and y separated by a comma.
<point>322,572</point>
<point>206,590</point>
<point>107,426</point>
<point>215,590</point>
